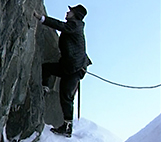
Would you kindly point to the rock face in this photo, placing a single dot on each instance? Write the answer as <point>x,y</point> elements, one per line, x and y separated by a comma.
<point>25,44</point>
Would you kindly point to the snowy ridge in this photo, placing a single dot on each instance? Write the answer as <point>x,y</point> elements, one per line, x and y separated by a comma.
<point>87,131</point>
<point>83,131</point>
<point>151,133</point>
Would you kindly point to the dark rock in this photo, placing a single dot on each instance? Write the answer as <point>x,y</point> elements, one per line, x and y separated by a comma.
<point>24,45</point>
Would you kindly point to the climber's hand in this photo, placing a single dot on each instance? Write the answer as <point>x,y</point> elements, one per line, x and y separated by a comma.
<point>37,15</point>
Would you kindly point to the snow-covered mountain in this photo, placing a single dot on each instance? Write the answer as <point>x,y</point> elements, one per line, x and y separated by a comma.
<point>151,133</point>
<point>83,131</point>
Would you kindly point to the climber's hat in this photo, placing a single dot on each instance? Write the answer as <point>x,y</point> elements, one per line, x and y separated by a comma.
<point>79,11</point>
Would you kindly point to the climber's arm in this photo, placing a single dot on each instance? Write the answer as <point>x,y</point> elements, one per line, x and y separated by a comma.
<point>68,27</point>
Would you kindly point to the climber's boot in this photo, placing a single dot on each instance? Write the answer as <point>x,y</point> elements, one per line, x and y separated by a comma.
<point>65,129</point>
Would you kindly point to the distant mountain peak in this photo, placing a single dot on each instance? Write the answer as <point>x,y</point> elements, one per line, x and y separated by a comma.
<point>151,133</point>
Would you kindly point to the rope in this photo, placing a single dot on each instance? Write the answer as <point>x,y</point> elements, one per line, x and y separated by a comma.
<point>121,85</point>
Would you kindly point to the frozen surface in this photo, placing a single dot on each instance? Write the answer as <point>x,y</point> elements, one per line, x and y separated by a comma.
<point>151,133</point>
<point>83,131</point>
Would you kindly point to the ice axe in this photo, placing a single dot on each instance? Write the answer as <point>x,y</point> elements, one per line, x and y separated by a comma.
<point>79,100</point>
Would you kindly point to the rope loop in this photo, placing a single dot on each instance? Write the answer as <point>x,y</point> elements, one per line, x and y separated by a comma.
<point>121,85</point>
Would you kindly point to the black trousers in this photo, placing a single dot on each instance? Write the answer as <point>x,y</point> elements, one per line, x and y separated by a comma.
<point>67,88</point>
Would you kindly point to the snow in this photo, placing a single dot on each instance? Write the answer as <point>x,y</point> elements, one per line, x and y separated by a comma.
<point>87,131</point>
<point>151,133</point>
<point>83,131</point>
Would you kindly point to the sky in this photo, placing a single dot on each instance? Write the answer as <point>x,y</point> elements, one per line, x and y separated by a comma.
<point>123,42</point>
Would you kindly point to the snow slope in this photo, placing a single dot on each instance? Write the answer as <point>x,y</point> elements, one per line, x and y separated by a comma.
<point>151,133</point>
<point>83,131</point>
<point>87,131</point>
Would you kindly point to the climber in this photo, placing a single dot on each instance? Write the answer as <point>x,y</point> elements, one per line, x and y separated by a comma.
<point>72,64</point>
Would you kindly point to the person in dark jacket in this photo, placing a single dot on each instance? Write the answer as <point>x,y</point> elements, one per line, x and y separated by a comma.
<point>72,64</point>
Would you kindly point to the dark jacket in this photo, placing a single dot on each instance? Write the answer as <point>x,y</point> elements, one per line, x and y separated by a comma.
<point>71,44</point>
